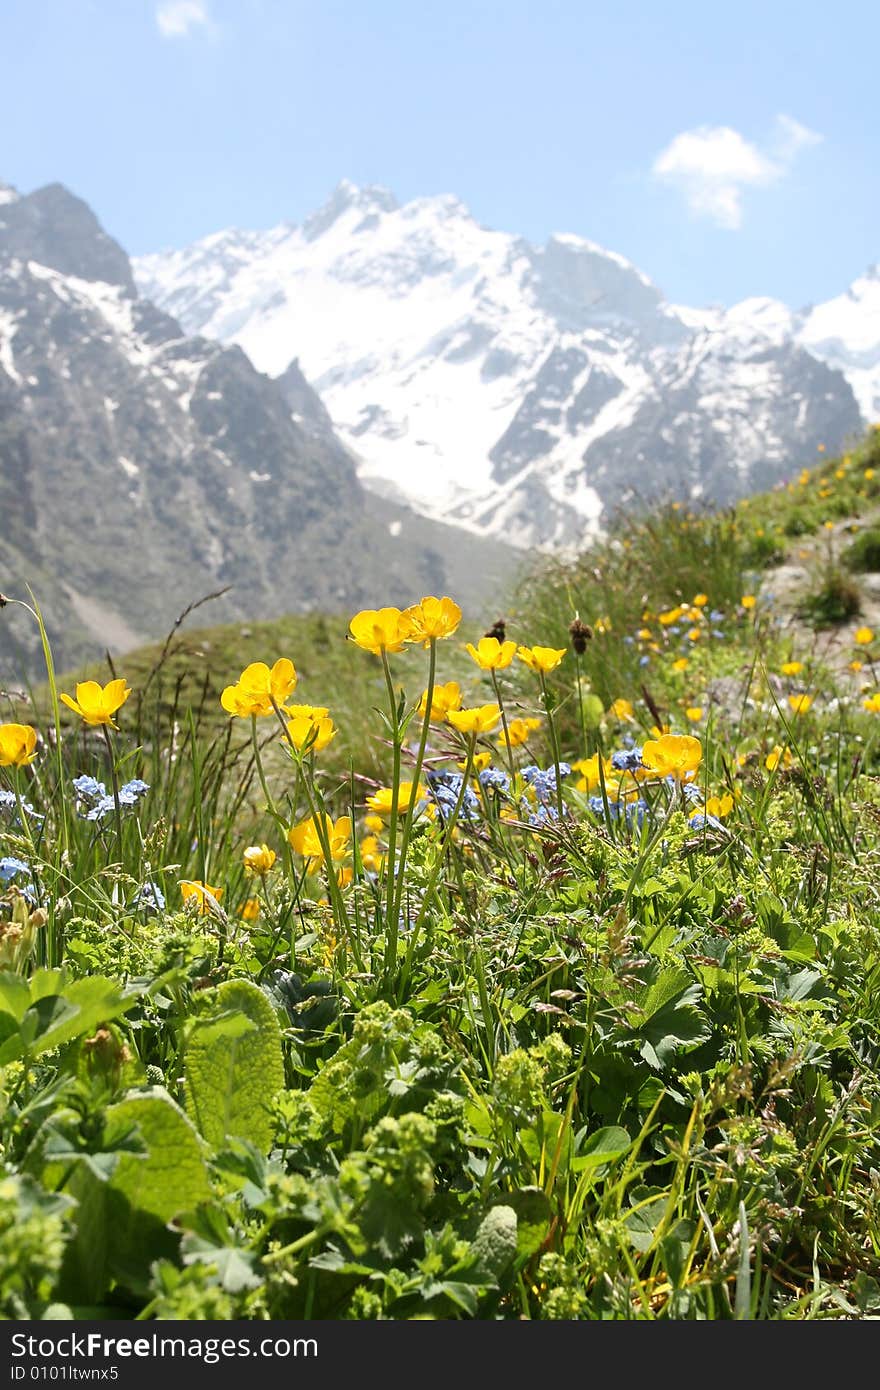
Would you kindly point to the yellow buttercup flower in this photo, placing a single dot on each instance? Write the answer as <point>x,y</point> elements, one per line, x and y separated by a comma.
<point>380,630</point>
<point>777,756</point>
<point>748,601</point>
<point>433,618</point>
<point>305,839</point>
<point>543,659</point>
<point>258,859</point>
<point>518,731</point>
<point>644,634</point>
<point>207,897</point>
<point>480,720</point>
<point>478,762</point>
<point>670,616</point>
<point>694,713</point>
<point>872,704</point>
<point>371,854</point>
<point>800,704</point>
<point>694,634</point>
<point>97,704</point>
<point>374,822</point>
<point>257,687</point>
<point>382,800</point>
<point>700,600</point>
<point>443,699</point>
<point>856,666</point>
<point>589,773</point>
<point>791,668</point>
<point>863,637</point>
<point>490,654</point>
<point>311,730</point>
<point>673,755</point>
<point>251,910</point>
<point>621,709</point>
<point>719,806</point>
<point>18,744</point>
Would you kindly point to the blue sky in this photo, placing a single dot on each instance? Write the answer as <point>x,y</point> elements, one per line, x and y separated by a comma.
<point>728,150</point>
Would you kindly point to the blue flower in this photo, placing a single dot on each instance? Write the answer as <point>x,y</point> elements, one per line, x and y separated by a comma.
<point>445,789</point>
<point>701,820</point>
<point>716,616</point>
<point>644,661</point>
<point>494,779</point>
<point>89,787</point>
<point>149,897</point>
<point>545,815</point>
<point>627,760</point>
<point>132,790</point>
<point>9,867</point>
<point>542,782</point>
<point>8,802</point>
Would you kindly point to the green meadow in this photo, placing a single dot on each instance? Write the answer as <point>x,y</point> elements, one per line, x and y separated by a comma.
<point>395,965</point>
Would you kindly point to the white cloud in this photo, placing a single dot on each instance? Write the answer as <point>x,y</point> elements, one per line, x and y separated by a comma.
<point>714,165</point>
<point>176,18</point>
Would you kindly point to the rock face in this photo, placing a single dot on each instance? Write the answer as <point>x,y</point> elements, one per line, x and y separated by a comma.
<point>141,468</point>
<point>519,390</point>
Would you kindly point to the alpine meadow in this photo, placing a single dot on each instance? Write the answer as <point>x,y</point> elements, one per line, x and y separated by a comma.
<point>394,965</point>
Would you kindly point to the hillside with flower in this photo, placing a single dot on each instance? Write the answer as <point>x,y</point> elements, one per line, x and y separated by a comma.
<point>386,965</point>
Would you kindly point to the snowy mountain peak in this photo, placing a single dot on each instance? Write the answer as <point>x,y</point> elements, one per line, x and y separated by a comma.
<point>347,197</point>
<point>8,194</point>
<point>513,388</point>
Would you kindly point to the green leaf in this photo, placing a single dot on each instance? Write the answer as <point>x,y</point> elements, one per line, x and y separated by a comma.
<point>602,1148</point>
<point>15,995</point>
<point>533,1211</point>
<point>148,1189</point>
<point>234,1066</point>
<point>494,1247</point>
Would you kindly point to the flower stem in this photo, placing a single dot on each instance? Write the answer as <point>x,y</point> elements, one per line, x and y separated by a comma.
<point>115,784</point>
<point>554,739</point>
<point>417,772</point>
<point>508,745</point>
<point>391,922</point>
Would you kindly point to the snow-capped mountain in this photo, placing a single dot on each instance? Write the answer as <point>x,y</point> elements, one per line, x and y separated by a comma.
<point>522,390</point>
<point>141,468</point>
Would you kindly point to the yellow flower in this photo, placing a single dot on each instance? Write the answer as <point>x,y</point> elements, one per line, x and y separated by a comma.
<point>380,630</point>
<point>694,713</point>
<point>490,654</point>
<point>856,665</point>
<point>257,687</point>
<point>872,703</point>
<point>681,664</point>
<point>864,636</point>
<point>18,743</point>
<point>382,800</point>
<point>621,710</point>
<point>305,840</point>
<point>671,616</point>
<point>479,761</point>
<point>602,625</point>
<point>371,854</point>
<point>748,601</point>
<point>207,897</point>
<point>518,731</point>
<point>776,756</point>
<point>694,634</point>
<point>443,699</point>
<point>700,600</point>
<point>311,730</point>
<point>589,770</point>
<point>374,822</point>
<point>719,806</point>
<point>433,618</point>
<point>791,668</point>
<point>868,474</point>
<point>800,704</point>
<point>543,659</point>
<point>96,704</point>
<point>258,859</point>
<point>644,634</point>
<point>480,720</point>
<point>673,755</point>
<point>251,910</point>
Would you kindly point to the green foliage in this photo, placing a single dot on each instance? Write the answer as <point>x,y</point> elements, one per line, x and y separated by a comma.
<point>835,601</point>
<point>233,1065</point>
<point>619,1066</point>
<point>863,555</point>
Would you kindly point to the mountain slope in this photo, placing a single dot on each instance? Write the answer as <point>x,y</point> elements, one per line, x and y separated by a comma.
<point>141,468</point>
<point>519,390</point>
